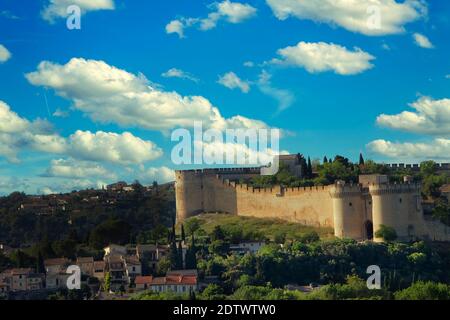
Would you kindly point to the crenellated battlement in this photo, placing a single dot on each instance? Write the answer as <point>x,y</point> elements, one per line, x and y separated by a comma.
<point>394,188</point>
<point>354,210</point>
<point>343,190</point>
<point>416,167</point>
<point>213,171</point>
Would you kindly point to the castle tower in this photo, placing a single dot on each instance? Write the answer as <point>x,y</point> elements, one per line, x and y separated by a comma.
<point>348,211</point>
<point>189,193</point>
<point>396,206</point>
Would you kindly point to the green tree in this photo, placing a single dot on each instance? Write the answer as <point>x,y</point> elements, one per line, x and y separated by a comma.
<point>107,282</point>
<point>192,225</point>
<point>310,168</point>
<point>183,234</point>
<point>213,292</point>
<point>219,247</point>
<point>361,159</point>
<point>387,233</point>
<point>424,291</point>
<point>40,267</point>
<point>217,234</point>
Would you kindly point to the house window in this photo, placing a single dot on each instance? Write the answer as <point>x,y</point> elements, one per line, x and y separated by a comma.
<point>350,204</point>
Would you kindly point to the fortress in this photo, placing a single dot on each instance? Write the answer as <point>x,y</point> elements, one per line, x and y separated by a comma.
<point>353,210</point>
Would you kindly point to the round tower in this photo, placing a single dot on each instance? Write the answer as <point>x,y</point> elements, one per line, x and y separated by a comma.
<point>348,211</point>
<point>189,193</point>
<point>396,206</point>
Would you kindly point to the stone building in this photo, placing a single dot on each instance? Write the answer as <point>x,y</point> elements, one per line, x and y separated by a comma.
<point>354,210</point>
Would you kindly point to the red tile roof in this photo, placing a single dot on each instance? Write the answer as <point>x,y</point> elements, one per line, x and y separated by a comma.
<point>175,280</point>
<point>143,280</point>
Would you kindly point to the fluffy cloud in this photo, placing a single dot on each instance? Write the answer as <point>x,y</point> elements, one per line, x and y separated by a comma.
<point>436,149</point>
<point>321,57</point>
<point>160,174</point>
<point>232,12</point>
<point>285,98</point>
<point>5,55</point>
<point>232,81</point>
<point>74,169</point>
<point>177,73</point>
<point>422,41</point>
<point>58,8</point>
<point>430,117</point>
<point>111,147</point>
<point>252,157</point>
<point>111,95</point>
<point>18,134</point>
<point>359,16</point>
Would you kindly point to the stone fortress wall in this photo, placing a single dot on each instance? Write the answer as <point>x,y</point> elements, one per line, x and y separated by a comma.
<point>354,210</point>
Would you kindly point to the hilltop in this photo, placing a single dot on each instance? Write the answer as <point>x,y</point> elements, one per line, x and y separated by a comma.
<point>250,228</point>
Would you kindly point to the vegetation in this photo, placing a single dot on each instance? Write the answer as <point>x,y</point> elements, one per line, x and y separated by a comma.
<point>386,233</point>
<point>238,228</point>
<point>337,267</point>
<point>88,221</point>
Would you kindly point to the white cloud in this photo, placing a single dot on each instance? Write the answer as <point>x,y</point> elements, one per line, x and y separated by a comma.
<point>75,169</point>
<point>284,97</point>
<point>321,57</point>
<point>111,95</point>
<point>111,147</point>
<point>447,76</point>
<point>252,157</point>
<point>58,8</point>
<point>249,64</point>
<point>359,16</point>
<point>232,12</point>
<point>422,41</point>
<point>177,73</point>
<point>159,174</point>
<point>18,134</point>
<point>5,55</point>
<point>176,26</point>
<point>232,81</point>
<point>61,113</point>
<point>436,149</point>
<point>430,117</point>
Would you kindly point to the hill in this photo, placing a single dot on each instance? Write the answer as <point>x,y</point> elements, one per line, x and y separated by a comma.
<point>257,228</point>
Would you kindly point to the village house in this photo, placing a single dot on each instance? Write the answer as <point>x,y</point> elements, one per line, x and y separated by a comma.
<point>116,268</point>
<point>86,265</point>
<point>21,279</point>
<point>115,250</point>
<point>133,268</point>
<point>143,282</point>
<point>244,247</point>
<point>151,254</point>
<point>99,270</point>
<point>178,281</point>
<point>56,276</point>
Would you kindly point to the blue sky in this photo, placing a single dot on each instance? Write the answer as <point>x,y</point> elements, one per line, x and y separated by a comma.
<point>317,72</point>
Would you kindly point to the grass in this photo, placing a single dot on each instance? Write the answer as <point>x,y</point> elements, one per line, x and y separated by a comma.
<point>269,228</point>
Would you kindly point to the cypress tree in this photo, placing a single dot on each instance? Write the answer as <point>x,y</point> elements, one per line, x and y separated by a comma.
<point>191,256</point>
<point>40,267</point>
<point>180,256</point>
<point>310,170</point>
<point>183,234</point>
<point>361,159</point>
<point>173,256</point>
<point>304,168</point>
<point>325,160</point>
